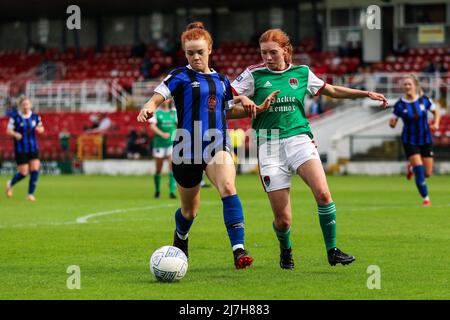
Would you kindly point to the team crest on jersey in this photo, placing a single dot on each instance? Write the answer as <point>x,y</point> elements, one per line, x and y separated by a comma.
<point>293,83</point>
<point>212,103</point>
<point>240,78</point>
<point>266,180</point>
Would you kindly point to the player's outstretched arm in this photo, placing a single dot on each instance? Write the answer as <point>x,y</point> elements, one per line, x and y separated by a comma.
<point>339,92</point>
<point>149,108</point>
<point>244,107</point>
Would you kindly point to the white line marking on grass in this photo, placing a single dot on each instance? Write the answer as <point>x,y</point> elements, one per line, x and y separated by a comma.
<point>85,218</point>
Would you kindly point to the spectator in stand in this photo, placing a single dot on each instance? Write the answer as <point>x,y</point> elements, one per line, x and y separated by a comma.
<point>145,67</point>
<point>364,79</point>
<point>104,124</point>
<point>440,68</point>
<point>430,68</point>
<point>166,44</point>
<point>139,49</point>
<point>402,49</point>
<point>143,142</point>
<point>132,147</point>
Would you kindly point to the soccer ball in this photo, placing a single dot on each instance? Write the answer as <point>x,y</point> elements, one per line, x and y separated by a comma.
<point>168,264</point>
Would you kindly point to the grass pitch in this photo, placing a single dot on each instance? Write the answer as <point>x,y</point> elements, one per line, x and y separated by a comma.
<point>109,227</point>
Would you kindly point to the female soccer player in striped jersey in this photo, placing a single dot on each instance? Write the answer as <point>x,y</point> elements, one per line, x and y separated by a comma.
<point>201,97</point>
<point>22,126</point>
<point>412,108</point>
<point>292,150</point>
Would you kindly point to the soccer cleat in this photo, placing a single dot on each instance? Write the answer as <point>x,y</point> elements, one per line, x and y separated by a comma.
<point>426,203</point>
<point>181,244</point>
<point>9,189</point>
<point>336,256</point>
<point>172,195</point>
<point>31,198</point>
<point>286,260</point>
<point>409,172</point>
<point>241,259</point>
<point>157,194</point>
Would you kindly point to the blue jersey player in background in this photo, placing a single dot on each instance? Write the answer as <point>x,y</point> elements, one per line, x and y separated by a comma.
<point>202,98</point>
<point>22,127</point>
<point>416,135</point>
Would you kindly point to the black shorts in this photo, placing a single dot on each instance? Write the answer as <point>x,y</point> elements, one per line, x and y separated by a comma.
<point>425,150</point>
<point>188,175</point>
<point>24,158</point>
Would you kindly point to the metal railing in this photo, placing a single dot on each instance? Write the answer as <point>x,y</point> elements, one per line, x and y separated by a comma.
<point>4,98</point>
<point>71,96</point>
<point>142,91</point>
<point>434,85</point>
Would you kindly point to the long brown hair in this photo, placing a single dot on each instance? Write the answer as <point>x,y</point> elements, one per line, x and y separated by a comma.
<point>195,31</point>
<point>280,37</point>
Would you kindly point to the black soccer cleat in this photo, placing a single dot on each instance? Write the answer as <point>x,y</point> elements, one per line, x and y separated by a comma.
<point>336,256</point>
<point>172,195</point>
<point>157,194</point>
<point>286,260</point>
<point>180,244</point>
<point>241,259</point>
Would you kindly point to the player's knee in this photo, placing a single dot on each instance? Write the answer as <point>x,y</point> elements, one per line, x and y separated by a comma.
<point>283,223</point>
<point>323,197</point>
<point>227,189</point>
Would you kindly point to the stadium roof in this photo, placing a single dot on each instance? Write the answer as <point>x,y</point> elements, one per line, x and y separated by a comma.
<point>25,9</point>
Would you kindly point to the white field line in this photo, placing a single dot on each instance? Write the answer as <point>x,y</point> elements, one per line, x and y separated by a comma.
<point>85,218</point>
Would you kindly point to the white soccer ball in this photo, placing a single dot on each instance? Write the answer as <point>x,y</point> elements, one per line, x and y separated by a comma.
<point>168,264</point>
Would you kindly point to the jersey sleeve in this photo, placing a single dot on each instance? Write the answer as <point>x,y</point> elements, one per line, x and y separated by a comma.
<point>10,125</point>
<point>397,109</point>
<point>244,84</point>
<point>153,120</point>
<point>228,90</point>
<point>429,105</point>
<point>170,83</point>
<point>315,84</point>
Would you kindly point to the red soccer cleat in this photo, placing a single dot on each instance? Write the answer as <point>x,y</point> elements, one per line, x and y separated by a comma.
<point>426,203</point>
<point>241,259</point>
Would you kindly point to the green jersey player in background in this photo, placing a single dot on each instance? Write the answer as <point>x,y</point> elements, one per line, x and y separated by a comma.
<point>292,150</point>
<point>164,126</point>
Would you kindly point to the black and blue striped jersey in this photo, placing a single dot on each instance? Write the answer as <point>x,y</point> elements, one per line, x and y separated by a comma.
<point>200,100</point>
<point>26,126</point>
<point>416,130</point>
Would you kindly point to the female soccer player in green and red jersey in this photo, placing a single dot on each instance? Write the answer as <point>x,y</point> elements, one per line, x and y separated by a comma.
<point>292,151</point>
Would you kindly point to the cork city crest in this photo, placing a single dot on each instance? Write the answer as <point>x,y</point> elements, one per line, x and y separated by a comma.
<point>293,83</point>
<point>267,180</point>
<point>212,103</point>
